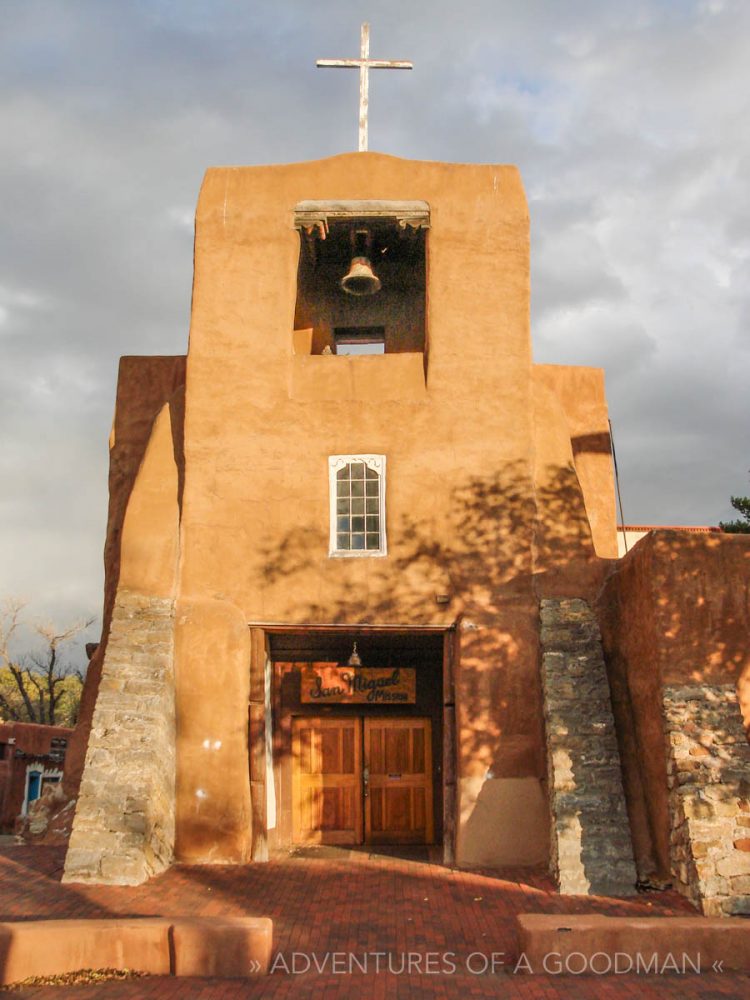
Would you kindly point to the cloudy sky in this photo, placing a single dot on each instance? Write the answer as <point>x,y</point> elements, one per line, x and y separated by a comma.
<point>630,122</point>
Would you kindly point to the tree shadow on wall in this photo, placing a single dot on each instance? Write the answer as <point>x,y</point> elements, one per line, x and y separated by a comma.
<point>495,547</point>
<point>497,537</point>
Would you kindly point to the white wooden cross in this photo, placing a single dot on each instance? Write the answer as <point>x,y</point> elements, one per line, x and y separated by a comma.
<point>364,64</point>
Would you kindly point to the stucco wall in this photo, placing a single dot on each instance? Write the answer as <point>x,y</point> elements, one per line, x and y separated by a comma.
<point>675,611</point>
<point>255,512</point>
<point>144,385</point>
<point>480,493</point>
<point>580,392</point>
<point>484,498</point>
<point>123,830</point>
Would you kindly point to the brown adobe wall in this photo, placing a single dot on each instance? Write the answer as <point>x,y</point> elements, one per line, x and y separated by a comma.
<point>484,489</point>
<point>32,738</point>
<point>484,500</point>
<point>144,385</point>
<point>581,394</point>
<point>123,830</point>
<point>674,611</point>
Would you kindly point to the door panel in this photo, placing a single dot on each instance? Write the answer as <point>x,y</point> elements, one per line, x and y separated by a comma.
<point>398,806</point>
<point>327,781</point>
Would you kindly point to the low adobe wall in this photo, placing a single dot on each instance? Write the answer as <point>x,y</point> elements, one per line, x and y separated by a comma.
<point>597,945</point>
<point>228,947</point>
<point>674,612</point>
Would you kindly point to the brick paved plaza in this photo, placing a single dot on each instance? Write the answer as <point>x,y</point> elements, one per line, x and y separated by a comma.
<point>355,904</point>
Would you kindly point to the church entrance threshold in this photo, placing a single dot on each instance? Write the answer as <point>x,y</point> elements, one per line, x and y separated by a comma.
<point>353,755</point>
<point>362,780</point>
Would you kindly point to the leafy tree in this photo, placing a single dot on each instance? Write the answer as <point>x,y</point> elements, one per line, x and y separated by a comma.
<point>742,525</point>
<point>41,685</point>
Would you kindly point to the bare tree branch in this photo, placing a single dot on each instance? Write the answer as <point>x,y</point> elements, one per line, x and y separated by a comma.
<point>9,709</point>
<point>40,676</point>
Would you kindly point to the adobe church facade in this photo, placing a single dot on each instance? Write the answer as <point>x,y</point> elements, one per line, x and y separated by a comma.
<point>361,567</point>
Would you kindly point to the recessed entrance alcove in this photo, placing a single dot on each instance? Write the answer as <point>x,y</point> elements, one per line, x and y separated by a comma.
<point>358,747</point>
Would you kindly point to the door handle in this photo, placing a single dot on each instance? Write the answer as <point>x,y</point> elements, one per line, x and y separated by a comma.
<point>365,780</point>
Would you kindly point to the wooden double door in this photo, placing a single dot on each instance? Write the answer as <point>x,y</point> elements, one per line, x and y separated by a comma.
<point>358,780</point>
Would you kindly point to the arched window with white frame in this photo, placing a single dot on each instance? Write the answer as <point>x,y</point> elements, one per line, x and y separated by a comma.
<point>357,503</point>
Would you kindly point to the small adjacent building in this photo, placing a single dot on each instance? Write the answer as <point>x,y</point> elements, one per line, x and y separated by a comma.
<point>32,758</point>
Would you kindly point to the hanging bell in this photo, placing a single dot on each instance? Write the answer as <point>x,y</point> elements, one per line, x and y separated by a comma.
<point>360,279</point>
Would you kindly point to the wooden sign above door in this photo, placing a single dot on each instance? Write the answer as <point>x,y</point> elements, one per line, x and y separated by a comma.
<point>331,684</point>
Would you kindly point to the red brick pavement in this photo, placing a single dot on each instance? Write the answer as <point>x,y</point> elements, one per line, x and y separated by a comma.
<point>359,906</point>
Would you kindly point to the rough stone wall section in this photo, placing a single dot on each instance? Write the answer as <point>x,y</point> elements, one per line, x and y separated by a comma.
<point>123,832</point>
<point>708,773</point>
<point>591,848</point>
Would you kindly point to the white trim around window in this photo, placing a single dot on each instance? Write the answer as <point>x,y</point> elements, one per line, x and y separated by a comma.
<point>356,489</point>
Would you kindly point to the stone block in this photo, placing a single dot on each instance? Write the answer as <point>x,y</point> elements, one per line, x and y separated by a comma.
<point>737,906</point>
<point>737,863</point>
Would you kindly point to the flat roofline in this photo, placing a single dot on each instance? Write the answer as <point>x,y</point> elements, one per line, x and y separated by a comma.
<point>337,627</point>
<point>668,527</point>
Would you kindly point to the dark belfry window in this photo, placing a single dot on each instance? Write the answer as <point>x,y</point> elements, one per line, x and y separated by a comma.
<point>357,505</point>
<point>362,276</point>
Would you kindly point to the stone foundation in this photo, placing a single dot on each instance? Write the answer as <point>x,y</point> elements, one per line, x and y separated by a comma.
<point>123,831</point>
<point>590,849</point>
<point>708,773</point>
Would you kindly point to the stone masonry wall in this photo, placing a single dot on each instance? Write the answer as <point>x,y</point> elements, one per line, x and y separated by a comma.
<point>123,831</point>
<point>591,849</point>
<point>708,773</point>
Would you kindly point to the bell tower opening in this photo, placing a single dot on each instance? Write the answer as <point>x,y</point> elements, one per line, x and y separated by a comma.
<point>361,278</point>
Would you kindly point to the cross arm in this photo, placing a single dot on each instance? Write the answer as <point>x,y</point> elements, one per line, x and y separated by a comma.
<point>369,63</point>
